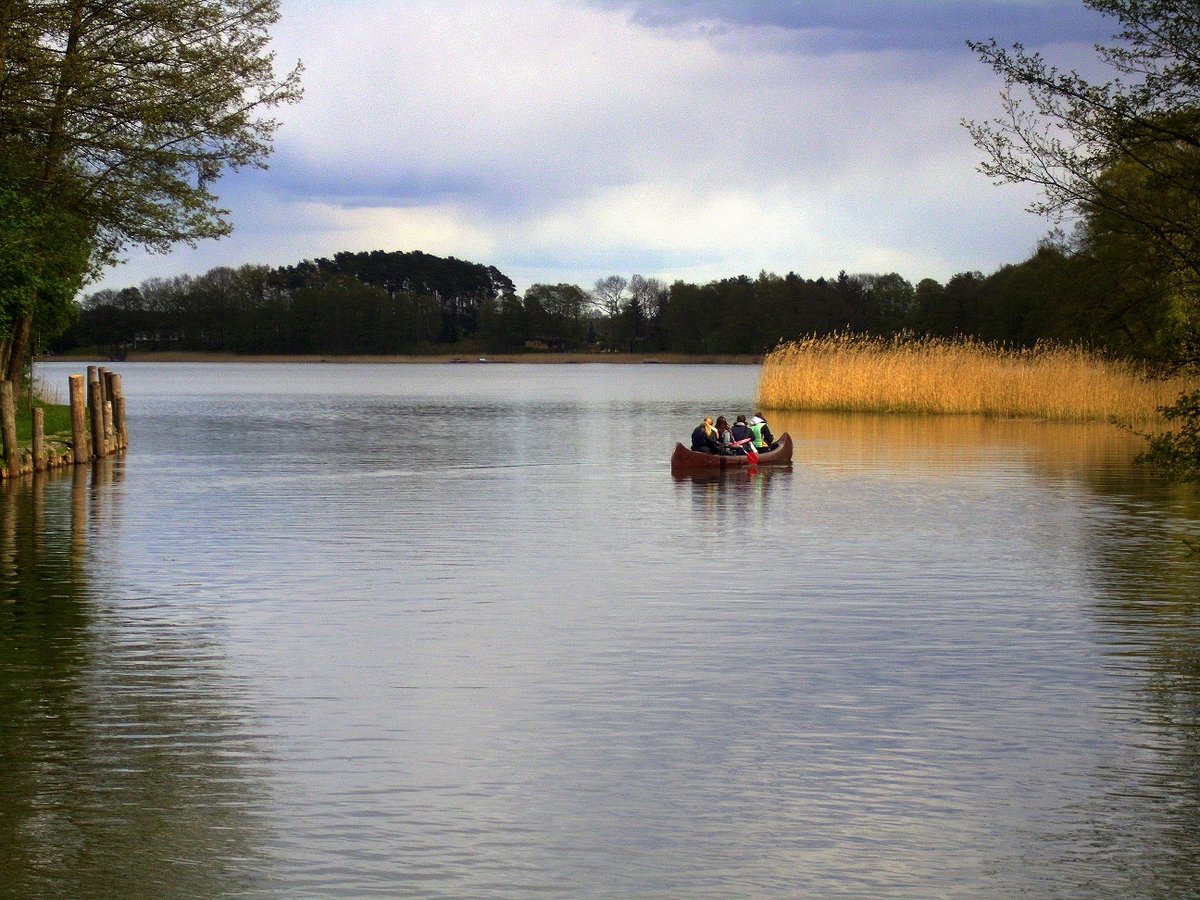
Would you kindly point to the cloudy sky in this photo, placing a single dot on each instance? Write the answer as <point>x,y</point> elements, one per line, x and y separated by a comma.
<point>566,140</point>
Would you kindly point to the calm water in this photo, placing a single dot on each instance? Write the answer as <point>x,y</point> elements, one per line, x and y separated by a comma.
<point>456,631</point>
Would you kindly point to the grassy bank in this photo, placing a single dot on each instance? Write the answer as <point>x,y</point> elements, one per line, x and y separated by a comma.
<point>56,421</point>
<point>941,376</point>
<point>56,415</point>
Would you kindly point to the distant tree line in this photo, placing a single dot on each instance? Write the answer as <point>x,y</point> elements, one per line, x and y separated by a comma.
<point>413,302</point>
<point>355,303</point>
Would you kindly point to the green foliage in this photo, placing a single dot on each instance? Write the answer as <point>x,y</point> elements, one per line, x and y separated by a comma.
<point>459,287</point>
<point>141,103</point>
<point>555,316</point>
<point>45,251</point>
<point>116,117</point>
<point>313,307</point>
<point>1123,156</point>
<point>351,305</point>
<point>322,308</point>
<point>1178,450</point>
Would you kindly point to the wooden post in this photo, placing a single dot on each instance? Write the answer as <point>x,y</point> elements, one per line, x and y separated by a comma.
<point>96,410</point>
<point>106,382</point>
<point>8,429</point>
<point>79,441</point>
<point>110,443</point>
<point>118,408</point>
<point>39,439</point>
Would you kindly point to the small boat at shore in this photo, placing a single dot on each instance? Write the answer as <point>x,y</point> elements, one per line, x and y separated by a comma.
<point>685,459</point>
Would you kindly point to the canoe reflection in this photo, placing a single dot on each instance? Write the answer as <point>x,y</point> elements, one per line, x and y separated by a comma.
<point>733,478</point>
<point>730,496</point>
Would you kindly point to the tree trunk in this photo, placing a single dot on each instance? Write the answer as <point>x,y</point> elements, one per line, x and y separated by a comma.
<point>19,353</point>
<point>56,139</point>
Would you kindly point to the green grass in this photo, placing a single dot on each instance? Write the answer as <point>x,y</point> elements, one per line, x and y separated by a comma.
<point>57,421</point>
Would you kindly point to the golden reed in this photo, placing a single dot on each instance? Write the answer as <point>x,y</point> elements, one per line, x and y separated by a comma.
<point>932,375</point>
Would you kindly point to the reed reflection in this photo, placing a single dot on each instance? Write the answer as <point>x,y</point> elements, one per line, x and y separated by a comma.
<point>941,443</point>
<point>129,761</point>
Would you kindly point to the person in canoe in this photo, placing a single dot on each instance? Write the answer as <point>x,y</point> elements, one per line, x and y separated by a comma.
<point>761,432</point>
<point>725,435</point>
<point>741,432</point>
<point>705,438</point>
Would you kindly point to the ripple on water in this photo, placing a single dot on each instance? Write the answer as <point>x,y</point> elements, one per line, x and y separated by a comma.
<point>452,637</point>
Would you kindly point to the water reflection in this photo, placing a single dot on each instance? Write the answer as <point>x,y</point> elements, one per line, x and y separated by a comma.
<point>949,657</point>
<point>129,758</point>
<point>733,496</point>
<point>1145,576</point>
<point>1135,812</point>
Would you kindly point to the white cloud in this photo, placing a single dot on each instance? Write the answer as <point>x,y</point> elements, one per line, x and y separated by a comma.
<point>560,140</point>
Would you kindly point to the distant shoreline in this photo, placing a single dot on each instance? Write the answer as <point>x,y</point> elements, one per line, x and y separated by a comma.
<point>535,358</point>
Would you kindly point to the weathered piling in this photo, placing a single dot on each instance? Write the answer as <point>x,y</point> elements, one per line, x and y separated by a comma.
<point>118,410</point>
<point>8,430</point>
<point>39,439</point>
<point>98,429</point>
<point>95,399</point>
<point>79,438</point>
<point>109,440</point>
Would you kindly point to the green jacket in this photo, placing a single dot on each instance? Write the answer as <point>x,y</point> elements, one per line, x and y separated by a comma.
<point>756,430</point>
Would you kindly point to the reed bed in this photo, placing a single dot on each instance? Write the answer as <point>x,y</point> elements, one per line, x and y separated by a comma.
<point>1054,382</point>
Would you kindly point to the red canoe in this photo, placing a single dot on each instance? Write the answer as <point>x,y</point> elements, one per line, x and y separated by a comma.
<point>684,460</point>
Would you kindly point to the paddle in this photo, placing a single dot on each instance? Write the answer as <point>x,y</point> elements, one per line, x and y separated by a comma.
<point>750,451</point>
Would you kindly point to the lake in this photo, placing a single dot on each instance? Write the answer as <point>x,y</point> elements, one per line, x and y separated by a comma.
<point>451,631</point>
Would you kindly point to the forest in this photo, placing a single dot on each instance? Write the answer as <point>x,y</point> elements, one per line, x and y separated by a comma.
<point>412,302</point>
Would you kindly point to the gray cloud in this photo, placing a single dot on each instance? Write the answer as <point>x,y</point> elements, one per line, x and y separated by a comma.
<point>826,26</point>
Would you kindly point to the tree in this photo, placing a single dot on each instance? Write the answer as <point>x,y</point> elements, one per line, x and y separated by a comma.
<point>1127,150</point>
<point>890,302</point>
<point>608,295</point>
<point>1123,155</point>
<point>127,111</point>
<point>557,314</point>
<point>502,324</point>
<point>649,293</point>
<point>45,250</point>
<point>647,298</point>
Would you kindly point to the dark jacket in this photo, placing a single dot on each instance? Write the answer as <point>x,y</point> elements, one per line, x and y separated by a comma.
<point>703,443</point>
<point>741,431</point>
